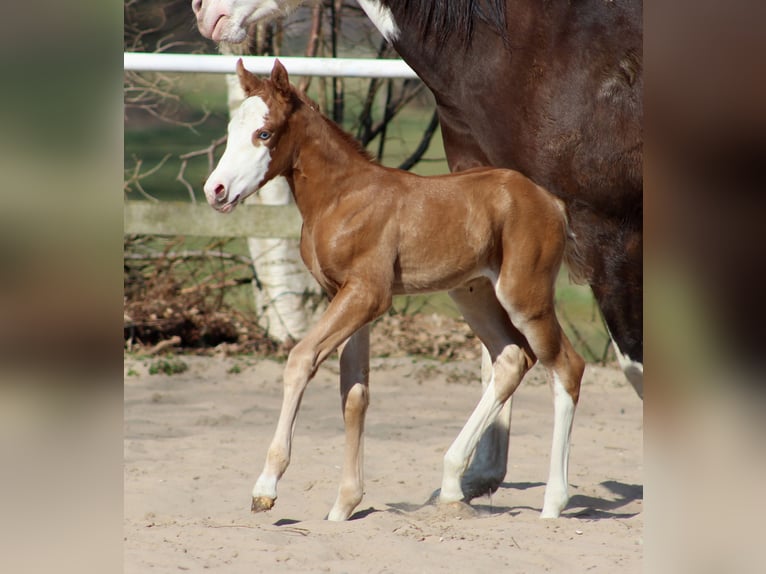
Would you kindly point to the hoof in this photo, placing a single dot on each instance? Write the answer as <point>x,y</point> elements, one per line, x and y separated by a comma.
<point>550,511</point>
<point>262,503</point>
<point>478,489</point>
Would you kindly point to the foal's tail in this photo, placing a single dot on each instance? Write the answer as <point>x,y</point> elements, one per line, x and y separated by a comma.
<point>579,270</point>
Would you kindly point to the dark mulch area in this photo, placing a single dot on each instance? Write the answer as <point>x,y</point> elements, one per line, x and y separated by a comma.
<point>160,314</point>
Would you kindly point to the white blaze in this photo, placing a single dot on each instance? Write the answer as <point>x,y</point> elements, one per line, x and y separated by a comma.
<point>244,162</point>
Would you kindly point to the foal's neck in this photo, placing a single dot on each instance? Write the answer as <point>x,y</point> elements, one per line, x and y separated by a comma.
<point>326,155</point>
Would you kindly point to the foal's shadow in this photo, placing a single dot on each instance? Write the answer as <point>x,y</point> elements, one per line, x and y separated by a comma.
<point>358,515</point>
<point>579,506</point>
<point>432,507</point>
<point>598,508</point>
<point>480,506</point>
<point>592,507</point>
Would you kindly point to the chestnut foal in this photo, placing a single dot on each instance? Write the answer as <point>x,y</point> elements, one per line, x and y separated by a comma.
<point>370,232</point>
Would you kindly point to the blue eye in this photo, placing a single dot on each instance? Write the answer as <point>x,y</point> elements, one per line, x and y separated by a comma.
<point>263,135</point>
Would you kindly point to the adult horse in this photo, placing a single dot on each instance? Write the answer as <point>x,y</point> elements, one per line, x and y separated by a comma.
<point>551,89</point>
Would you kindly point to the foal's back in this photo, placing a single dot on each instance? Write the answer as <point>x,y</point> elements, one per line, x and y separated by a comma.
<point>446,230</point>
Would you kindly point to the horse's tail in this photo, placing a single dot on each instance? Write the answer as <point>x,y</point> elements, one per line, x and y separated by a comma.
<point>579,270</point>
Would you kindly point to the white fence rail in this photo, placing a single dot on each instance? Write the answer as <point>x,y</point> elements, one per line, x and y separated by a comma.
<point>220,64</point>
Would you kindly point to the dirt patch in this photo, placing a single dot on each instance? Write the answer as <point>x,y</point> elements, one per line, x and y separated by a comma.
<point>195,443</point>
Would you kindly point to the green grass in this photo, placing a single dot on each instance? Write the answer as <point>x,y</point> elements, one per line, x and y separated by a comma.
<point>151,140</point>
<point>579,316</point>
<point>167,367</point>
<point>151,146</point>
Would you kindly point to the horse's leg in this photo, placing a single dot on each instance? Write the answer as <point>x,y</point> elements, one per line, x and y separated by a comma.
<point>489,463</point>
<point>536,318</point>
<point>507,371</point>
<point>567,368</point>
<point>355,396</point>
<point>617,281</point>
<point>349,310</point>
<point>488,319</point>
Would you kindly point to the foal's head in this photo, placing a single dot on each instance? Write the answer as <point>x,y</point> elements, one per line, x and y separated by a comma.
<point>253,152</point>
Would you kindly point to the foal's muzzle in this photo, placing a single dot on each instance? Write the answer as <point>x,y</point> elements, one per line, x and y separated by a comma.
<point>217,196</point>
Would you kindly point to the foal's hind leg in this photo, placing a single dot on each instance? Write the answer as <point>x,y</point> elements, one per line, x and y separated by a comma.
<point>567,367</point>
<point>536,319</point>
<point>355,397</point>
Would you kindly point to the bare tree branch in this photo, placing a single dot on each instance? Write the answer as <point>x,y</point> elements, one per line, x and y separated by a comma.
<point>208,151</point>
<point>134,181</point>
<point>425,141</point>
<point>313,42</point>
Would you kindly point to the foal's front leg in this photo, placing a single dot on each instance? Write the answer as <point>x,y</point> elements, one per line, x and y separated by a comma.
<point>348,311</point>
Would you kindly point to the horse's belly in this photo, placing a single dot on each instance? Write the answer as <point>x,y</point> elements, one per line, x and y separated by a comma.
<point>431,276</point>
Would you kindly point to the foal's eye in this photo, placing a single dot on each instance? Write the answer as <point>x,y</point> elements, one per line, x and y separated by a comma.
<point>262,135</point>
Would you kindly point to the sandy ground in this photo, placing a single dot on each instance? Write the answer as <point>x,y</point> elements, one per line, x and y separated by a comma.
<point>195,443</point>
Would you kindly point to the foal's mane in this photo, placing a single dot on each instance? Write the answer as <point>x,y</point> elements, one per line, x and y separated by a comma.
<point>450,19</point>
<point>341,134</point>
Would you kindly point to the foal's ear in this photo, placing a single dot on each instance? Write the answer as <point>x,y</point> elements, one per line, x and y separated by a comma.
<point>280,80</point>
<point>249,82</point>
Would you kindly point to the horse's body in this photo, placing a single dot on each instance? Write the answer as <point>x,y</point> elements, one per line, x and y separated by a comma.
<point>552,89</point>
<point>370,232</point>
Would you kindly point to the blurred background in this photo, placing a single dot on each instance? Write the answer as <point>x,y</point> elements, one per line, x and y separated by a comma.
<point>64,111</point>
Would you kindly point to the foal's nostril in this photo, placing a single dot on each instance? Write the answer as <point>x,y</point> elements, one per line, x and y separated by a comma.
<point>196,6</point>
<point>220,191</point>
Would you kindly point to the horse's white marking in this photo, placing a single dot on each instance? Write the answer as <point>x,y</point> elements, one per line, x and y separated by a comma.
<point>246,12</point>
<point>265,486</point>
<point>456,457</point>
<point>382,17</point>
<point>633,370</point>
<point>490,459</point>
<point>556,496</point>
<point>507,372</point>
<point>244,163</point>
<point>229,20</point>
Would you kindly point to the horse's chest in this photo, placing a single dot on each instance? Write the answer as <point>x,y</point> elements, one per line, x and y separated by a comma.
<point>322,262</point>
